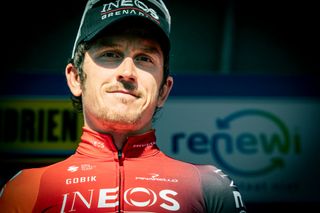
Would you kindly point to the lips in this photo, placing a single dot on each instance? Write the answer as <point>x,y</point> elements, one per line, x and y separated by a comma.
<point>124,92</point>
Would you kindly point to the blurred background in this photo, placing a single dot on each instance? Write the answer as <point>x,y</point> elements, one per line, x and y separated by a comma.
<point>246,96</point>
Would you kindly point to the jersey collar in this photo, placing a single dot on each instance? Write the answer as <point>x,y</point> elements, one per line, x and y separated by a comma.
<point>100,145</point>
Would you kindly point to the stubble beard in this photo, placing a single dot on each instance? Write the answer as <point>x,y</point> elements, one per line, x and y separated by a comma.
<point>119,119</point>
<point>116,119</point>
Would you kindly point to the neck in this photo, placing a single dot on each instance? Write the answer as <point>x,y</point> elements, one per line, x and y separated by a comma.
<point>119,139</point>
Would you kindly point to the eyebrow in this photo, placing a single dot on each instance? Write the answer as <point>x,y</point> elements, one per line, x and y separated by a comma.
<point>147,48</point>
<point>151,50</point>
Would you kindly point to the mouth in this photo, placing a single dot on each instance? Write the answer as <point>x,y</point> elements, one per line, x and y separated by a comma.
<point>123,92</point>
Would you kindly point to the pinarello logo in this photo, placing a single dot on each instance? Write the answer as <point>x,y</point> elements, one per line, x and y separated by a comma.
<point>157,177</point>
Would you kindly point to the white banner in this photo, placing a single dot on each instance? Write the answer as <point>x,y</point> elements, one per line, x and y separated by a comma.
<point>270,147</point>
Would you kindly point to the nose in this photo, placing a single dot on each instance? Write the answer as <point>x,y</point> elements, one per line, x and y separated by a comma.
<point>127,71</point>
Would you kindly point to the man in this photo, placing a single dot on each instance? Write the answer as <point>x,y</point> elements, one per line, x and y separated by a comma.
<point>119,78</point>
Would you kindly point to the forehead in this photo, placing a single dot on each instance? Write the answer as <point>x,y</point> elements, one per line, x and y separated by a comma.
<point>133,28</point>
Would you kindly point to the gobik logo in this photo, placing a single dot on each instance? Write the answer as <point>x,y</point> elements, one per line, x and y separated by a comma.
<point>248,142</point>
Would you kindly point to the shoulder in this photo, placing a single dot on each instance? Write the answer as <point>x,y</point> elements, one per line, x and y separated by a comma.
<point>30,176</point>
<point>212,176</point>
<point>21,190</point>
<point>28,179</point>
<point>219,190</point>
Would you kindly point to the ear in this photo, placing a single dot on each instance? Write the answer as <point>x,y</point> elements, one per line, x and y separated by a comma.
<point>73,80</point>
<point>164,92</point>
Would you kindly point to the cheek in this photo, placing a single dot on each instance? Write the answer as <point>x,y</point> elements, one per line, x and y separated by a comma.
<point>96,77</point>
<point>152,86</point>
<point>91,89</point>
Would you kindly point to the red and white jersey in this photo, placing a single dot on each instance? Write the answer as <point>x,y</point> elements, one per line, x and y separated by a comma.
<point>139,178</point>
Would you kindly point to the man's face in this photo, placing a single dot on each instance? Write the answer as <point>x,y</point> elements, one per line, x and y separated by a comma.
<point>123,75</point>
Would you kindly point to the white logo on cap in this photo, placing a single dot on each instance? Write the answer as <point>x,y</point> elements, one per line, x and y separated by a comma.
<point>121,7</point>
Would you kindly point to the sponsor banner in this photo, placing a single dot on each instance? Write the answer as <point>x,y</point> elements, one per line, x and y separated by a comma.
<point>39,126</point>
<point>268,146</point>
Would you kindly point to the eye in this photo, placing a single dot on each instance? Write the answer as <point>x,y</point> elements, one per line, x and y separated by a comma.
<point>110,55</point>
<point>144,58</point>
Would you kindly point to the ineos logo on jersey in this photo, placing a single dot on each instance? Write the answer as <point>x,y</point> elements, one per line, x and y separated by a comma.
<point>151,198</point>
<point>149,202</point>
<point>122,7</point>
<point>138,197</point>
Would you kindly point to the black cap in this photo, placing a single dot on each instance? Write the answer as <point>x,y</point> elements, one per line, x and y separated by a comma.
<point>99,14</point>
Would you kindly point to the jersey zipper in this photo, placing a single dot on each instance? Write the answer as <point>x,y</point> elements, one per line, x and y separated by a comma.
<point>121,180</point>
